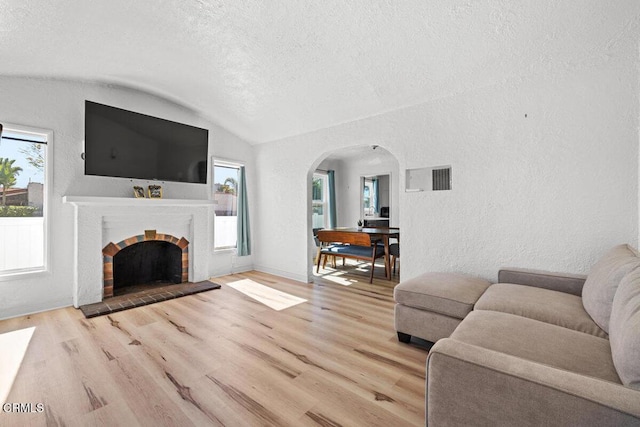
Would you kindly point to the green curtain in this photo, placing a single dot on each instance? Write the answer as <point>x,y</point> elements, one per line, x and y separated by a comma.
<point>332,199</point>
<point>376,195</point>
<point>244,235</point>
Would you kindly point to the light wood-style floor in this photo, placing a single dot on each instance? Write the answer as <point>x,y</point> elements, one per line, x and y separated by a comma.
<point>221,358</point>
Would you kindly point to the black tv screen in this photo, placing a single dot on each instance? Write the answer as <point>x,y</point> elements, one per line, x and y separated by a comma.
<point>121,143</point>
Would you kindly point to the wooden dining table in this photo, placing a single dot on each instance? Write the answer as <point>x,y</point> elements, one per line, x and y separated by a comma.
<point>377,233</point>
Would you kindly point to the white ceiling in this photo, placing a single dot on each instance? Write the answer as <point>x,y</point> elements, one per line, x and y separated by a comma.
<point>270,69</point>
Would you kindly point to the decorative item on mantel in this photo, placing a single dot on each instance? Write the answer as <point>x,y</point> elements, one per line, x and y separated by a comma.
<point>359,224</point>
<point>138,192</point>
<point>155,192</point>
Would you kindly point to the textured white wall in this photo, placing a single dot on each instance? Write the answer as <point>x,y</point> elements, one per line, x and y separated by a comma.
<point>59,106</point>
<point>551,190</point>
<point>349,191</point>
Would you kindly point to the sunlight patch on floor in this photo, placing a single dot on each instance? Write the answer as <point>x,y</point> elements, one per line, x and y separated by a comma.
<point>334,274</point>
<point>335,278</point>
<point>270,297</point>
<point>13,347</point>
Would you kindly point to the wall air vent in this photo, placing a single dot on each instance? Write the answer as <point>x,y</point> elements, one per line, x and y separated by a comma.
<point>441,179</point>
<point>436,178</point>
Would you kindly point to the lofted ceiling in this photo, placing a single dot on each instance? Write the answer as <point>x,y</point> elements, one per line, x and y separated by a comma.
<point>266,70</point>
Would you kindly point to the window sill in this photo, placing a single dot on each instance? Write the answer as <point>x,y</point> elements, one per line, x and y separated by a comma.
<point>24,275</point>
<point>225,250</point>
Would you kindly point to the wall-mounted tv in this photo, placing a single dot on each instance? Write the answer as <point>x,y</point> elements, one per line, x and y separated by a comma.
<point>125,144</point>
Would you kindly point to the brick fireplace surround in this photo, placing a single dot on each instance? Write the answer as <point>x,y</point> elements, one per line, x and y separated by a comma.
<point>109,251</point>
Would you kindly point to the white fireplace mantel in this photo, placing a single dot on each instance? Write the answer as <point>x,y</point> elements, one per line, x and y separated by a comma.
<point>100,220</point>
<point>132,201</point>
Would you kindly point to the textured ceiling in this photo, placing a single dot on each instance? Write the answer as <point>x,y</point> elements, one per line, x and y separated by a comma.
<point>270,69</point>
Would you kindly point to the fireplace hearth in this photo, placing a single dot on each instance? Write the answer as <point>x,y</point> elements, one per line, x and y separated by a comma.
<point>142,297</point>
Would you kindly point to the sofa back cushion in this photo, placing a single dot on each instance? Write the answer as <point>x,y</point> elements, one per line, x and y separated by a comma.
<point>603,280</point>
<point>625,330</point>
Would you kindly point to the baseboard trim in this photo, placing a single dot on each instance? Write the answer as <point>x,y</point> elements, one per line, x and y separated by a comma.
<point>36,311</point>
<point>236,269</point>
<point>282,273</point>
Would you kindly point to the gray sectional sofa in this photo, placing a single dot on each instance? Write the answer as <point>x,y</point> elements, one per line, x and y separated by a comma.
<point>544,348</point>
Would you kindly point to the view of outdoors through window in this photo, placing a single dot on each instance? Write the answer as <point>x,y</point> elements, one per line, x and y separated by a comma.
<point>319,201</point>
<point>22,187</point>
<point>367,198</point>
<point>225,196</point>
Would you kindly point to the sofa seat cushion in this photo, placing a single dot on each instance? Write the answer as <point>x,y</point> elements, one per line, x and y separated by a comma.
<point>539,342</point>
<point>450,294</point>
<point>603,280</point>
<point>624,330</point>
<point>545,305</point>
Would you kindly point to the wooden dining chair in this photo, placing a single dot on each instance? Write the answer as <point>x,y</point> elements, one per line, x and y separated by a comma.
<point>319,246</point>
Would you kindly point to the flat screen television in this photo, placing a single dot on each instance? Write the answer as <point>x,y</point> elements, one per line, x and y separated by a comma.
<point>125,144</point>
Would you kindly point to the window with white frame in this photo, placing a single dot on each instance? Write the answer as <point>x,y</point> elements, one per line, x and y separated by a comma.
<point>368,197</point>
<point>225,195</point>
<point>23,200</point>
<point>320,200</point>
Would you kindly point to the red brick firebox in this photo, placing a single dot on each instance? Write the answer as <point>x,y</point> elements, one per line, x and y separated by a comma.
<point>109,251</point>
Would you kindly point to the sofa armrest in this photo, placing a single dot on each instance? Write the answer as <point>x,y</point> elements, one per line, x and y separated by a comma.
<point>562,282</point>
<point>470,385</point>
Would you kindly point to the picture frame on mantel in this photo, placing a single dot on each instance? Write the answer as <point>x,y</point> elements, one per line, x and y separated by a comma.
<point>155,192</point>
<point>138,192</point>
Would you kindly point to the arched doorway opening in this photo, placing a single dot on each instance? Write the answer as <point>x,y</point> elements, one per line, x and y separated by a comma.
<point>348,185</point>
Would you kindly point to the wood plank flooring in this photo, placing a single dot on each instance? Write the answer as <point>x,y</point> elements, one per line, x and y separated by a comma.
<point>221,358</point>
